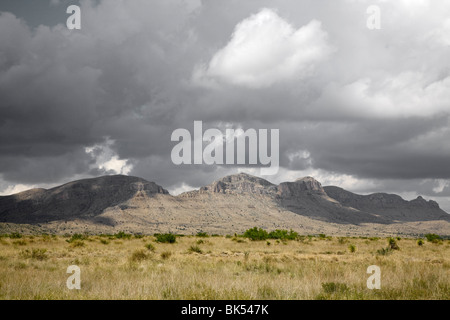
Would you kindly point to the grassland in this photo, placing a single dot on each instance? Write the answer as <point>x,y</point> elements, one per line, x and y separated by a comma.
<point>129,267</point>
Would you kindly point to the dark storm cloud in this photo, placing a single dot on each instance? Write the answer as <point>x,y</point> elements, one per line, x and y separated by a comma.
<point>371,104</point>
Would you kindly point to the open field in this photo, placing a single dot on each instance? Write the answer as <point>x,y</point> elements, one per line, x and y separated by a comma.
<point>34,267</point>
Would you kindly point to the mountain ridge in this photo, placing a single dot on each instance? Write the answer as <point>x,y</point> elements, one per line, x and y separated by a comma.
<point>227,205</point>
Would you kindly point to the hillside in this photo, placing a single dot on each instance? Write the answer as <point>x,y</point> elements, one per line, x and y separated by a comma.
<point>231,204</point>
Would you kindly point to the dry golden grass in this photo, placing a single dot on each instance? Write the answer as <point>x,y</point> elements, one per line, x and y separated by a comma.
<point>34,267</point>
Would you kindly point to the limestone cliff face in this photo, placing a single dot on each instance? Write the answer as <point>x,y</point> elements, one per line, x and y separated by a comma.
<point>299,187</point>
<point>240,183</point>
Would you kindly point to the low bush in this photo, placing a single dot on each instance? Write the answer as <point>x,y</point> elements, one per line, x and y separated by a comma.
<point>433,238</point>
<point>165,238</point>
<point>393,244</point>
<point>256,234</point>
<point>122,235</point>
<point>261,234</point>
<point>202,235</point>
<point>139,255</point>
<point>283,235</point>
<point>384,251</point>
<point>166,255</point>
<point>195,249</point>
<point>77,244</point>
<point>77,237</point>
<point>15,235</point>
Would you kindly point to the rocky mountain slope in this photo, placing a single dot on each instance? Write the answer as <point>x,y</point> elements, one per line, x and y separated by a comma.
<point>228,205</point>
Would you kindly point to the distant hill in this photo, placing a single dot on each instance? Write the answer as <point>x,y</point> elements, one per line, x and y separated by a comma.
<point>231,204</point>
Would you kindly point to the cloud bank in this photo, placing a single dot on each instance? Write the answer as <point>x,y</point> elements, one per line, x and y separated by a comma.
<point>368,109</point>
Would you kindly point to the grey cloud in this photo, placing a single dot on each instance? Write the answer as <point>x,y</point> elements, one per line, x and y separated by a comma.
<point>127,76</point>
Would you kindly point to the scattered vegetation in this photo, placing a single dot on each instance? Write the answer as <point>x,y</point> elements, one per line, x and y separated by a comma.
<point>36,254</point>
<point>308,268</point>
<point>352,248</point>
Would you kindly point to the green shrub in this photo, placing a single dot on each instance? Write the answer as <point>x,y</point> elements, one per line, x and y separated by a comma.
<point>195,249</point>
<point>122,235</point>
<point>138,236</point>
<point>77,237</point>
<point>150,247</point>
<point>283,235</point>
<point>433,238</point>
<point>393,244</point>
<point>256,234</point>
<point>104,241</point>
<point>15,235</point>
<point>202,235</point>
<point>420,242</point>
<point>352,248</point>
<point>268,243</point>
<point>165,238</point>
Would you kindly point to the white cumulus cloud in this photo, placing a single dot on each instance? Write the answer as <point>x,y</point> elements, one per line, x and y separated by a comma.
<point>265,49</point>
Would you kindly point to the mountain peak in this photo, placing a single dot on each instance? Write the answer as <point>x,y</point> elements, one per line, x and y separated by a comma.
<point>240,183</point>
<point>293,189</point>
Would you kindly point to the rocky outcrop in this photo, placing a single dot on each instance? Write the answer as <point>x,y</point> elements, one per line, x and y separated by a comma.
<point>240,183</point>
<point>299,187</point>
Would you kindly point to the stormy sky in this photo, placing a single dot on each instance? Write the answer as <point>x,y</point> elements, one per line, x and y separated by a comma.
<point>364,109</point>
